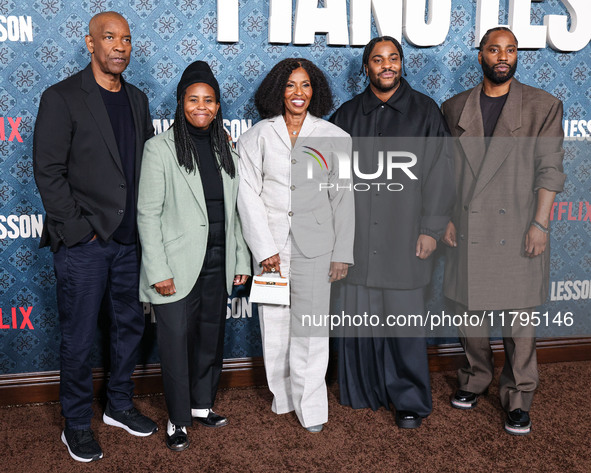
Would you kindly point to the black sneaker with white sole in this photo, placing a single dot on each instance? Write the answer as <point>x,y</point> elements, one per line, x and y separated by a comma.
<point>81,445</point>
<point>464,399</point>
<point>132,420</point>
<point>518,422</point>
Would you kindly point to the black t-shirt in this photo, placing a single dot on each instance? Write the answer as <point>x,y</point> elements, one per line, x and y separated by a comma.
<point>491,108</point>
<point>119,110</point>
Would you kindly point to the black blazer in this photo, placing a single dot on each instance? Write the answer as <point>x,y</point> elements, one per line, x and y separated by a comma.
<point>76,162</point>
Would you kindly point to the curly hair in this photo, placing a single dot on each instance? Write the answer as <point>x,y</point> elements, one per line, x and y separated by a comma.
<point>268,98</point>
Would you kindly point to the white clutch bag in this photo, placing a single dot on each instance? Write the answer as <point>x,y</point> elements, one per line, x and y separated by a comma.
<point>270,288</point>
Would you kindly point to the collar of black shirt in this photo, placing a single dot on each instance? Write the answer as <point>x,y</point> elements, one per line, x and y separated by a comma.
<point>399,101</point>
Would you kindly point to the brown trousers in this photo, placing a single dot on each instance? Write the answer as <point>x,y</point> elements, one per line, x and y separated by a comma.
<point>519,378</point>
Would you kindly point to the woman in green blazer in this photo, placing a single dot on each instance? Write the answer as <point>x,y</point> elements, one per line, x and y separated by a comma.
<point>192,249</point>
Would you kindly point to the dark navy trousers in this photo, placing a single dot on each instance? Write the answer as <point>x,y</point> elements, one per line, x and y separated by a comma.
<point>86,273</point>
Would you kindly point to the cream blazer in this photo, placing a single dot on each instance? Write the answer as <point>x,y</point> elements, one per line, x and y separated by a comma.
<point>278,196</point>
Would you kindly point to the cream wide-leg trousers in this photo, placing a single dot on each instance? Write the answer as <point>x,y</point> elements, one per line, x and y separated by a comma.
<point>296,356</point>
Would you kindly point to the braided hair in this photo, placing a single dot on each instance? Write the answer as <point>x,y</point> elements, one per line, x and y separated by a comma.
<point>369,48</point>
<point>186,153</point>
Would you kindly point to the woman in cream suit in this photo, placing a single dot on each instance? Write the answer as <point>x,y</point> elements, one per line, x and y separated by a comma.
<point>297,216</point>
<point>192,249</point>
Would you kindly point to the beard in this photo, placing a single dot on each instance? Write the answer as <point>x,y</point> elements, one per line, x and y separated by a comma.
<point>495,77</point>
<point>385,86</point>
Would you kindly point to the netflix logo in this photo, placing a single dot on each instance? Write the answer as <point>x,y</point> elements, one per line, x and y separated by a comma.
<point>578,211</point>
<point>16,318</point>
<point>9,129</point>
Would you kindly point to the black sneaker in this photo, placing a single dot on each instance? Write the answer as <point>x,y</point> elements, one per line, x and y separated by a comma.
<point>81,445</point>
<point>518,422</point>
<point>131,420</point>
<point>464,399</point>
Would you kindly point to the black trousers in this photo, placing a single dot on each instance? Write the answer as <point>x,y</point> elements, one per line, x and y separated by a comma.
<point>191,336</point>
<point>384,366</point>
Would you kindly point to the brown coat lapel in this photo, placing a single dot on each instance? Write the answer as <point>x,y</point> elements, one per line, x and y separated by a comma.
<point>471,122</point>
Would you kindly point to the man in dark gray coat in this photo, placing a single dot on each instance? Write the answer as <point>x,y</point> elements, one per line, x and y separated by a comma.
<point>397,224</point>
<point>508,170</point>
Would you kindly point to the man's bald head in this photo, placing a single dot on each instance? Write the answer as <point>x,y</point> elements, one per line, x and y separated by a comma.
<point>109,44</point>
<point>96,22</point>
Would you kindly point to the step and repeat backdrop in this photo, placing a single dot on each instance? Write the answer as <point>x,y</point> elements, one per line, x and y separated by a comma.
<point>42,42</point>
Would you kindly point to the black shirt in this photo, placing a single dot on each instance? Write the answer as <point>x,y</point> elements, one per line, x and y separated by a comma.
<point>210,172</point>
<point>121,117</point>
<point>491,108</point>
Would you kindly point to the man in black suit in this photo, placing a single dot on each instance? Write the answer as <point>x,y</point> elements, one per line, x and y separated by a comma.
<point>89,139</point>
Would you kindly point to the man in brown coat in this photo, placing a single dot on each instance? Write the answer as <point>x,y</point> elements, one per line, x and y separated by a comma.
<point>508,170</point>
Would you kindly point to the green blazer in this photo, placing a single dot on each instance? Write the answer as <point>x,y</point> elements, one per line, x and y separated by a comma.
<point>173,224</point>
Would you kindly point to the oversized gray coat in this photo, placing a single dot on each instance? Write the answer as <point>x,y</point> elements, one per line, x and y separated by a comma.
<point>497,197</point>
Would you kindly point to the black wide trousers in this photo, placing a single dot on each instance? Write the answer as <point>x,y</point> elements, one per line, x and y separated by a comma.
<point>384,365</point>
<point>191,336</point>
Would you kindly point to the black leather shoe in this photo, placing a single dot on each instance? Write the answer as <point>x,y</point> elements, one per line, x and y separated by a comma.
<point>518,422</point>
<point>408,420</point>
<point>464,399</point>
<point>212,420</point>
<point>176,437</point>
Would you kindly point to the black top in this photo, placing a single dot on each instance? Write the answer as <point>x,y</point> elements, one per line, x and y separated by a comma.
<point>491,108</point>
<point>119,110</point>
<point>388,221</point>
<point>210,172</point>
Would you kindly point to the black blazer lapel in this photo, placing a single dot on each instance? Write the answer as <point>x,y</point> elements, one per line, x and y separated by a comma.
<point>98,111</point>
<point>138,122</point>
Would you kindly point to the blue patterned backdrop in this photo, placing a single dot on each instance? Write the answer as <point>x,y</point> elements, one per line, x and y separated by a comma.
<point>169,34</point>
